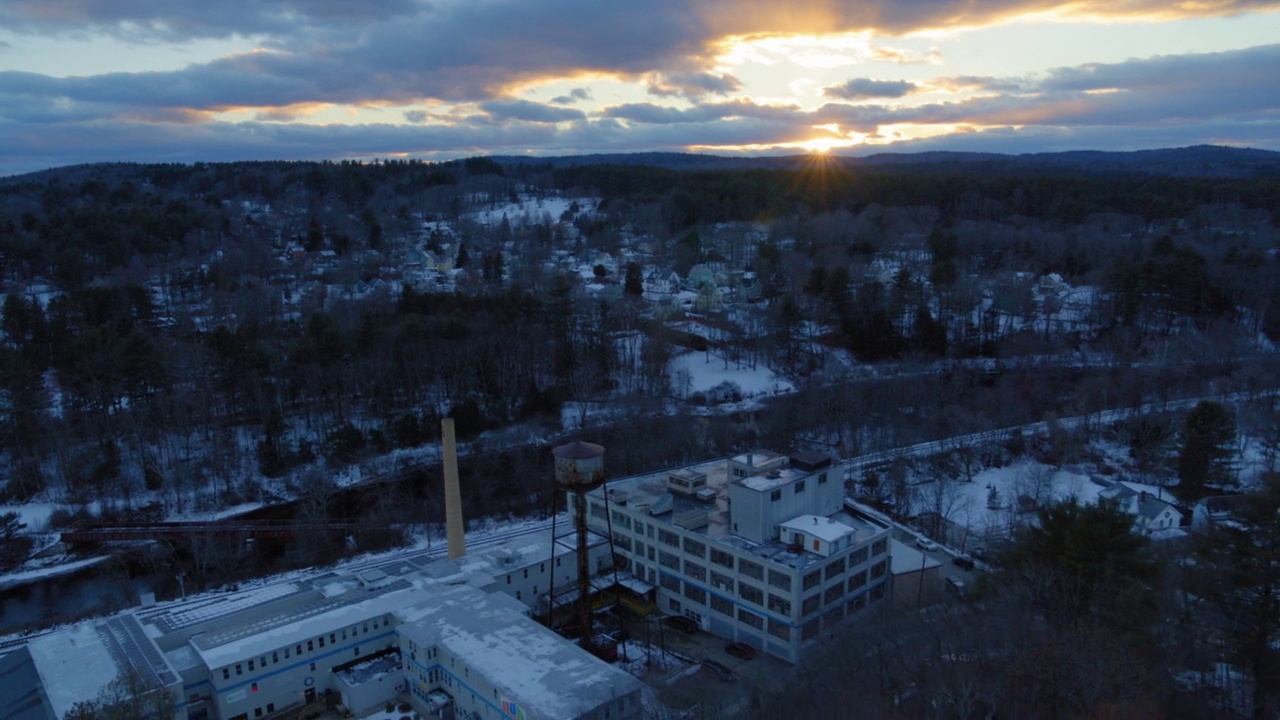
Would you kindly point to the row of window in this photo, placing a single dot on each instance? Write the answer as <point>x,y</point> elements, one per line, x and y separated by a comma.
<point>796,488</point>
<point>312,645</point>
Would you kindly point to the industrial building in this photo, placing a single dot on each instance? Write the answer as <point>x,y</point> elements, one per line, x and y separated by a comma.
<point>448,635</point>
<point>757,548</point>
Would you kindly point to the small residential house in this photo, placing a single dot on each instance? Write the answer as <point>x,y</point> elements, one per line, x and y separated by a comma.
<point>662,281</point>
<point>700,274</point>
<point>440,262</point>
<point>709,299</point>
<point>1151,514</point>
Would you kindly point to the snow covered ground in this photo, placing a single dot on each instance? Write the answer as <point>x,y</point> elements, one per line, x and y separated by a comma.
<point>698,372</point>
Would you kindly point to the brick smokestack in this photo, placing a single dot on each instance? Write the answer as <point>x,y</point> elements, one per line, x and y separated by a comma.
<point>452,493</point>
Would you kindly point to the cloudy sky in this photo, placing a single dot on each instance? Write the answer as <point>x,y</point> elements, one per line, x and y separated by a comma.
<point>172,80</point>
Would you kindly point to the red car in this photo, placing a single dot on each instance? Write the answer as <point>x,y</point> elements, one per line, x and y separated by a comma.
<point>740,650</point>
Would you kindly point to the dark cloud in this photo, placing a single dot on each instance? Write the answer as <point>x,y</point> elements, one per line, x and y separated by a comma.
<point>692,85</point>
<point>574,96</point>
<point>530,111</point>
<point>866,88</point>
<point>178,20</point>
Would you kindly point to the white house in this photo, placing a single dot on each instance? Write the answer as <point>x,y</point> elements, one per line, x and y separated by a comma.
<point>1151,514</point>
<point>662,281</point>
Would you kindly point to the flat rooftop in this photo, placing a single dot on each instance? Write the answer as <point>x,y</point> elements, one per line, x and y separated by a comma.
<point>649,487</point>
<point>543,673</point>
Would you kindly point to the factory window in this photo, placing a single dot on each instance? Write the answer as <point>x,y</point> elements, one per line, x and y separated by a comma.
<point>253,687</point>
<point>239,670</point>
<point>857,557</point>
<point>669,560</point>
<point>250,666</point>
<point>650,551</point>
<point>811,604</point>
<point>695,571</point>
<point>649,531</point>
<point>751,593</point>
<point>357,651</point>
<point>878,569</point>
<point>822,479</point>
<point>723,582</point>
<point>879,547</point>
<point>639,528</point>
<point>517,594</point>
<point>857,580</point>
<point>621,520</point>
<point>877,592</point>
<point>310,646</point>
<point>526,573</point>
<point>857,604</point>
<point>344,633</point>
<point>674,604</point>
<point>779,630</point>
<point>721,558</point>
<point>313,667</point>
<point>833,593</point>
<point>695,594</point>
<point>779,580</point>
<point>779,605</point>
<point>809,630</point>
<point>263,661</point>
<point>321,641</point>
<point>669,582</point>
<point>623,542</point>
<point>722,606</point>
<point>751,569</point>
<point>226,673</point>
<point>508,579</point>
<point>750,618</point>
<point>257,712</point>
<point>286,653</point>
<point>366,627</point>
<point>542,567</point>
<point>275,658</point>
<point>812,580</point>
<point>597,510</point>
<point>835,568</point>
<point>695,547</point>
<point>271,707</point>
<point>799,487</point>
<point>299,649</point>
<point>666,537</point>
<point>775,496</point>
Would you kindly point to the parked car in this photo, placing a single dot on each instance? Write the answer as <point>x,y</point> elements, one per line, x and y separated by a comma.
<point>963,561</point>
<point>925,543</point>
<point>956,586</point>
<point>740,650</point>
<point>682,623</point>
<point>719,670</point>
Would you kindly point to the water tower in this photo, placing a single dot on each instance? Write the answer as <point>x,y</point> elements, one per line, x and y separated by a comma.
<point>579,470</point>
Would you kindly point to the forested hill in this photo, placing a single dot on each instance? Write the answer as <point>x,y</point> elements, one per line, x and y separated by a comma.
<point>1197,161</point>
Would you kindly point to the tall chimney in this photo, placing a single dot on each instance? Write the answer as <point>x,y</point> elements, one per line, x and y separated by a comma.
<point>452,493</point>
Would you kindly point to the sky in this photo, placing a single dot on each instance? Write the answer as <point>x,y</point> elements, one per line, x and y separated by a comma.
<point>177,81</point>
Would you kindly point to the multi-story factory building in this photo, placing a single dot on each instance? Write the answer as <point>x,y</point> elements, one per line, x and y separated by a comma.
<point>756,548</point>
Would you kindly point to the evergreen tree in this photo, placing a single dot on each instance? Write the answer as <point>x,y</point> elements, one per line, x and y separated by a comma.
<point>634,282</point>
<point>1206,463</point>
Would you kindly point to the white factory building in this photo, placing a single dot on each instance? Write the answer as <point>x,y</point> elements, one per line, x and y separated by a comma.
<point>757,549</point>
<point>456,638</point>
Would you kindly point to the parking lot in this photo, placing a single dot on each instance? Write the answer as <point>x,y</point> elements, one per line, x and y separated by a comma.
<point>683,683</point>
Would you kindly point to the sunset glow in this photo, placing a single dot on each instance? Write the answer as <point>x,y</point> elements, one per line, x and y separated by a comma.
<point>416,79</point>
